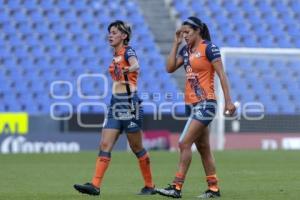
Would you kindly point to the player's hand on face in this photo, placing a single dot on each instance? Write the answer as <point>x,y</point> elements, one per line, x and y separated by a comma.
<point>178,36</point>
<point>229,109</point>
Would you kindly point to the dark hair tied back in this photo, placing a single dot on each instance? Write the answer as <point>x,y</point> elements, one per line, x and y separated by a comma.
<point>196,23</point>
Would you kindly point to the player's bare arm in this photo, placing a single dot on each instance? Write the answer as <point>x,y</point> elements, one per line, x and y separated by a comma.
<point>173,62</point>
<point>229,106</point>
<point>134,65</point>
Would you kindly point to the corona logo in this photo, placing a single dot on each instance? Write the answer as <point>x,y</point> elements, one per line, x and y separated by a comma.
<point>20,144</point>
<point>13,123</point>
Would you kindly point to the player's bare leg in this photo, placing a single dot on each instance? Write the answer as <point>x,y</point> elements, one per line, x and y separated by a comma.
<point>191,133</point>
<point>209,166</point>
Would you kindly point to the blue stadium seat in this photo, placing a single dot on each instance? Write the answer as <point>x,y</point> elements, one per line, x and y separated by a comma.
<point>29,5</point>
<point>70,16</point>
<point>81,40</point>
<point>249,40</point>
<point>64,41</point>
<point>9,98</point>
<point>231,7</point>
<point>92,29</point>
<point>13,5</point>
<point>9,28</point>
<point>237,17</point>
<point>293,31</point>
<point>4,53</point>
<point>9,61</point>
<point>52,16</point>
<point>64,6</point>
<point>31,40</point>
<point>80,5</point>
<point>36,16</point>
<point>41,27</point>
<point>37,51</point>
<point>4,16</point>
<point>75,28</point>
<point>26,63</point>
<point>271,108</point>
<point>15,40</point>
<point>47,40</point>
<point>288,109</point>
<point>19,16</point>
<point>69,51</point>
<point>47,5</point>
<point>87,16</point>
<point>37,88</point>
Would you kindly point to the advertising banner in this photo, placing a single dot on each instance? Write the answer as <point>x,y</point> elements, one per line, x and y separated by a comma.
<point>16,137</point>
<point>254,141</point>
<point>157,140</point>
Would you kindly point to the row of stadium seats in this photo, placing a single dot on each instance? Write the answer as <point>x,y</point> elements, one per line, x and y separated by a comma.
<point>48,40</point>
<point>246,23</point>
<point>42,41</point>
<point>273,83</point>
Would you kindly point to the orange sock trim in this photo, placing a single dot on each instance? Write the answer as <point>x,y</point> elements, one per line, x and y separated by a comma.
<point>144,163</point>
<point>212,182</point>
<point>178,180</point>
<point>180,175</point>
<point>102,164</point>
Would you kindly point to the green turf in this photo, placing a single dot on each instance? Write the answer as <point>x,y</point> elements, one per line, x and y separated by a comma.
<point>254,175</point>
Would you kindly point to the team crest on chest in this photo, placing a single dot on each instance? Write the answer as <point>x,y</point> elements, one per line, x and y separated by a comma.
<point>189,69</point>
<point>118,58</point>
<point>197,54</point>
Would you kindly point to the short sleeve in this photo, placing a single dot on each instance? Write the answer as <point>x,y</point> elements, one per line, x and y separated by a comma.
<point>182,51</point>
<point>212,52</point>
<point>129,53</point>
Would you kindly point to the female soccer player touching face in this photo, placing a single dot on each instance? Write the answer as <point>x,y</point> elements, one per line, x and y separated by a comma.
<point>201,59</point>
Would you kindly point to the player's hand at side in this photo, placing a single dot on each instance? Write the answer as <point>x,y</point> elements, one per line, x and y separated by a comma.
<point>230,109</point>
<point>178,36</point>
<point>125,70</point>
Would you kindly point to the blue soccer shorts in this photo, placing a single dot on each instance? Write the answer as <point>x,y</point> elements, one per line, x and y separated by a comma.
<point>121,116</point>
<point>203,111</point>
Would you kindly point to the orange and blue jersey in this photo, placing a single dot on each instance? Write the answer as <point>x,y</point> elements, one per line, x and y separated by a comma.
<point>200,71</point>
<point>120,61</point>
<point>120,115</point>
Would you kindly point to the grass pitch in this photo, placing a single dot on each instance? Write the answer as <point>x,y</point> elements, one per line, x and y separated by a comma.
<point>253,175</point>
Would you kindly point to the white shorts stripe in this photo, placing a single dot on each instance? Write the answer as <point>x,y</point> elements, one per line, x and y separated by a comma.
<point>185,129</point>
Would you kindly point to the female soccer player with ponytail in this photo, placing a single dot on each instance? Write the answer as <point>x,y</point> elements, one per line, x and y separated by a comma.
<point>125,112</point>
<point>201,59</point>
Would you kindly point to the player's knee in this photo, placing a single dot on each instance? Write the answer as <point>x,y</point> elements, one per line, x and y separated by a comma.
<point>202,146</point>
<point>184,145</point>
<point>135,147</point>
